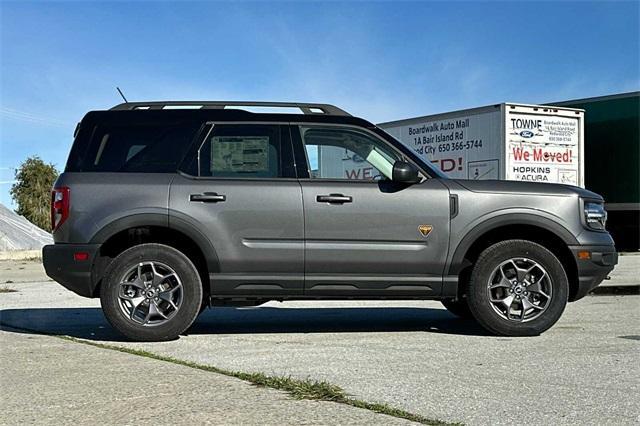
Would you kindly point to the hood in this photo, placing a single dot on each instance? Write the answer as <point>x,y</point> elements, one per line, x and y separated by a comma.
<point>534,188</point>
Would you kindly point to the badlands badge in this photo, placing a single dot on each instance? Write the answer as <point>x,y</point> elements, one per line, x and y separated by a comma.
<point>425,229</point>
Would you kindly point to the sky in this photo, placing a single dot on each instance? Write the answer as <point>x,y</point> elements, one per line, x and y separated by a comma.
<point>379,60</point>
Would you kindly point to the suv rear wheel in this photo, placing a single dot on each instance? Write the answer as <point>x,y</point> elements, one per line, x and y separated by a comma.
<point>151,292</point>
<point>517,288</point>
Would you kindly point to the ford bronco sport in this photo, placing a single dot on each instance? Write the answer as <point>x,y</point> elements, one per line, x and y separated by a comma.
<point>166,208</point>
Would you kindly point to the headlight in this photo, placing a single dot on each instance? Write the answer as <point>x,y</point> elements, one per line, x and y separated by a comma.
<point>595,216</point>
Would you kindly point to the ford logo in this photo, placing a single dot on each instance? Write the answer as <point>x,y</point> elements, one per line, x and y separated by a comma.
<point>526,134</point>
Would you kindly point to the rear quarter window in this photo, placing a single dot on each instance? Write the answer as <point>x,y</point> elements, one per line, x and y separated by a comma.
<point>138,148</point>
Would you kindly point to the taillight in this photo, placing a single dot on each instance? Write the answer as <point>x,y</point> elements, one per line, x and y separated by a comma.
<point>59,206</point>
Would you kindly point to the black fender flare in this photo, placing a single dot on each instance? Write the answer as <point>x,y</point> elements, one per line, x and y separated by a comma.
<point>457,260</point>
<point>129,221</point>
<point>163,221</point>
<point>202,241</point>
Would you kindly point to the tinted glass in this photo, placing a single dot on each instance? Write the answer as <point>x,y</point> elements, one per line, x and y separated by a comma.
<point>147,148</point>
<point>243,151</point>
<point>347,154</point>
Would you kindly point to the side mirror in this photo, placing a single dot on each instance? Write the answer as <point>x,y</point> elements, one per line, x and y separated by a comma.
<point>405,172</point>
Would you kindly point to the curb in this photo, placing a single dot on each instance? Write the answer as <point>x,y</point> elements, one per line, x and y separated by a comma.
<point>21,254</point>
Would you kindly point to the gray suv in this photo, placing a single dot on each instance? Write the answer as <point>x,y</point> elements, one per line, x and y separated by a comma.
<point>166,208</point>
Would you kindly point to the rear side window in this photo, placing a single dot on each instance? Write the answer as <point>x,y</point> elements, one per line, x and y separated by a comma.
<point>243,151</point>
<point>142,148</point>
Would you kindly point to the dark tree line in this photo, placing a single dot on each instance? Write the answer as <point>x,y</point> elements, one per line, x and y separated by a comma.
<point>32,191</point>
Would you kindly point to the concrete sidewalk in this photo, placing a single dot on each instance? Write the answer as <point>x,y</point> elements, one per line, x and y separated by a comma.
<point>411,355</point>
<point>22,271</point>
<point>47,380</point>
<point>626,272</point>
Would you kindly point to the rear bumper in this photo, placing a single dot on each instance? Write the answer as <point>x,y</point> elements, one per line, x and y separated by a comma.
<point>75,275</point>
<point>592,271</point>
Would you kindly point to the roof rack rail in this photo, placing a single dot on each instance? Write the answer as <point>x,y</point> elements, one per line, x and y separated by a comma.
<point>303,107</point>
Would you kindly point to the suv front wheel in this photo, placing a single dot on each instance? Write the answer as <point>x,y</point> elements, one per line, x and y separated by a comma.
<point>151,292</point>
<point>517,288</point>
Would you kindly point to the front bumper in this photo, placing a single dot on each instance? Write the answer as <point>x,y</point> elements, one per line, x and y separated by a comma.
<point>592,271</point>
<point>75,275</point>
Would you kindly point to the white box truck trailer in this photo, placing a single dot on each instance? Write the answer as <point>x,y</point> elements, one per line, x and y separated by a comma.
<point>506,141</point>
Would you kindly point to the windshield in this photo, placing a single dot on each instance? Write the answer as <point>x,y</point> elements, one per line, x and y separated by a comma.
<point>432,171</point>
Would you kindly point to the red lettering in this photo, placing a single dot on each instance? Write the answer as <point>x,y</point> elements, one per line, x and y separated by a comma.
<point>557,157</point>
<point>538,155</point>
<point>517,154</point>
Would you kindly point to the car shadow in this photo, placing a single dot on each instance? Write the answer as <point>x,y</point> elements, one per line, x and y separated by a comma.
<point>90,323</point>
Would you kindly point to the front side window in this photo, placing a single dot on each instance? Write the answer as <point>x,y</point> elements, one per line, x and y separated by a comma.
<point>335,153</point>
<point>243,151</point>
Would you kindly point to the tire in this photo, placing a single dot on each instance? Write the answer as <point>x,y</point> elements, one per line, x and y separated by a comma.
<point>459,308</point>
<point>146,275</point>
<point>500,275</point>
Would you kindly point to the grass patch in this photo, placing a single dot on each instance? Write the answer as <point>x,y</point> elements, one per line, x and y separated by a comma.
<point>297,388</point>
<point>7,290</point>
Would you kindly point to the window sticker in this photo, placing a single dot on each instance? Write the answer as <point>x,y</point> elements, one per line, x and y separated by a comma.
<point>246,154</point>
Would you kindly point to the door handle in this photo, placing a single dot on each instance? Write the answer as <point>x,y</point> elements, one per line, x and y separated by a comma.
<point>208,197</point>
<point>334,198</point>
